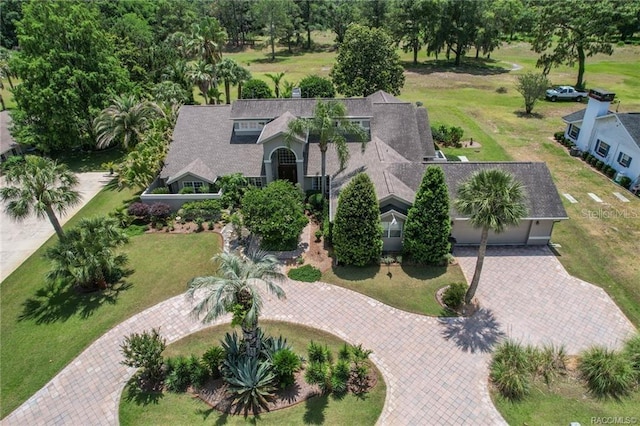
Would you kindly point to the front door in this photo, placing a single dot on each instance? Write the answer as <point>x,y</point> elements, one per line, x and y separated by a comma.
<point>288,172</point>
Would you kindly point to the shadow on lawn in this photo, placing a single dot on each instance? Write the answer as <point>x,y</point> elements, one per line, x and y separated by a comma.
<point>315,406</point>
<point>140,397</point>
<point>477,333</point>
<point>423,272</point>
<point>468,66</point>
<point>56,302</point>
<point>356,273</point>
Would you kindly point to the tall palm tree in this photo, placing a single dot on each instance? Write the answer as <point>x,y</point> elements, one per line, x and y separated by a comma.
<point>41,186</point>
<point>235,289</point>
<point>494,201</point>
<point>276,78</point>
<point>227,70</point>
<point>202,74</point>
<point>323,126</point>
<point>242,76</point>
<point>124,121</point>
<point>206,41</point>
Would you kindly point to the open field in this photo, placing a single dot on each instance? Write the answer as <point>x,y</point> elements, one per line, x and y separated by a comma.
<point>173,408</point>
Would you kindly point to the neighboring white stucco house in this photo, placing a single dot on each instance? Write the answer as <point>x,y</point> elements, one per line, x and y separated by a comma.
<point>248,137</point>
<point>612,137</point>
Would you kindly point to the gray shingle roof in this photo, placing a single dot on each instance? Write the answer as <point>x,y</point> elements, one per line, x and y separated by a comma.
<point>276,127</point>
<point>245,109</point>
<point>6,140</point>
<point>196,168</point>
<point>631,122</point>
<point>382,97</point>
<point>543,199</point>
<point>404,128</point>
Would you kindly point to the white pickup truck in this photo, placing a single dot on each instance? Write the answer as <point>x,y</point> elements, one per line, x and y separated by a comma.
<point>564,93</point>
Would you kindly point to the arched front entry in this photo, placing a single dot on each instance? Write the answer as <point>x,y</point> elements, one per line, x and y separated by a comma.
<point>283,161</point>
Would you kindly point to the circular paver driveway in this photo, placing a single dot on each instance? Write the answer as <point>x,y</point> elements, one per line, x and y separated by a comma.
<point>435,369</point>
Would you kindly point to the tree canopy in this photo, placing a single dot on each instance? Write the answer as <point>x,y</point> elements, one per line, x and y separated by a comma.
<point>367,62</point>
<point>69,72</point>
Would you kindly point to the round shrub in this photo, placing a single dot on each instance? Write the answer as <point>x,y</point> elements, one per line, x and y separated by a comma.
<point>138,209</point>
<point>159,211</point>
<point>187,190</point>
<point>454,295</point>
<point>625,182</point>
<point>160,190</point>
<point>314,86</point>
<point>608,373</point>
<point>256,89</point>
<point>212,359</point>
<point>306,273</point>
<point>285,363</point>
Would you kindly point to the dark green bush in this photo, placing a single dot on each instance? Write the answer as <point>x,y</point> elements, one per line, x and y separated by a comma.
<point>625,182</point>
<point>256,89</point>
<point>178,375</point>
<point>607,373</point>
<point>599,164</point>
<point>340,376</point>
<point>585,155</point>
<point>306,273</point>
<point>593,161</point>
<point>209,210</point>
<point>160,190</point>
<point>316,202</point>
<point>212,359</point>
<point>314,86</point>
<point>187,190</point>
<point>318,353</point>
<point>558,136</point>
<point>319,373</point>
<point>454,295</point>
<point>285,364</point>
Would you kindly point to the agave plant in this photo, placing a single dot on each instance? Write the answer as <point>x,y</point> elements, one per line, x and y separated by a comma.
<point>251,382</point>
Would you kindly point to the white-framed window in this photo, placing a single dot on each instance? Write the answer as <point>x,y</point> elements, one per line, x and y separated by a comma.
<point>574,131</point>
<point>248,126</point>
<point>193,184</point>
<point>392,229</point>
<point>255,181</point>
<point>602,148</point>
<point>316,183</point>
<point>624,159</point>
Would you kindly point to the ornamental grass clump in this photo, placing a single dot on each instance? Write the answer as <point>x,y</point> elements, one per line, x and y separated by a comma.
<point>510,370</point>
<point>608,373</point>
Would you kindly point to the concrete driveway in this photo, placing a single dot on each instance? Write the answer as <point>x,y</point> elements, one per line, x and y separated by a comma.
<point>18,240</point>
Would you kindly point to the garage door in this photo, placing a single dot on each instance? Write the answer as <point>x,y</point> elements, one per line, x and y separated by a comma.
<point>464,233</point>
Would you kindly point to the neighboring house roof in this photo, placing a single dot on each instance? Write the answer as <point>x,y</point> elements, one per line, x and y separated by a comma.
<point>7,143</point>
<point>631,122</point>
<point>245,109</point>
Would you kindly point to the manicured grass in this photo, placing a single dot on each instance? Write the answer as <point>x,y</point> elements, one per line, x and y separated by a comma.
<point>184,409</point>
<point>90,161</point>
<point>410,288</point>
<point>43,329</point>
<point>567,402</point>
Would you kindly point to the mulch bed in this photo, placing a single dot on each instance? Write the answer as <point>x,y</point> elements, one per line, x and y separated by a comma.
<point>214,393</point>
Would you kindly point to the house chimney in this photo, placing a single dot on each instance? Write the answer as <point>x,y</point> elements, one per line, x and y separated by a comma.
<point>296,93</point>
<point>598,105</point>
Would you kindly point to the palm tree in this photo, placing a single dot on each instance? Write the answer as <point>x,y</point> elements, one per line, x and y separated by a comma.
<point>242,76</point>
<point>87,256</point>
<point>227,70</point>
<point>39,185</point>
<point>493,200</point>
<point>235,290</point>
<point>276,78</point>
<point>202,74</point>
<point>124,121</point>
<point>323,126</point>
<point>206,41</point>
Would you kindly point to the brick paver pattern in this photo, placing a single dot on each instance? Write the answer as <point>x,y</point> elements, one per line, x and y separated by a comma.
<point>435,369</point>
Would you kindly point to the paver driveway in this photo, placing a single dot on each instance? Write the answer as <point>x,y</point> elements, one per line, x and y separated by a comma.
<point>435,369</point>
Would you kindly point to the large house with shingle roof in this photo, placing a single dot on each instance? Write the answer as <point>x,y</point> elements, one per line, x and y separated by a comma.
<point>248,137</point>
<point>612,137</point>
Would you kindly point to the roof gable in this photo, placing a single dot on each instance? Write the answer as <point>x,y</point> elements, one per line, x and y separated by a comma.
<point>382,97</point>
<point>196,169</point>
<point>277,127</point>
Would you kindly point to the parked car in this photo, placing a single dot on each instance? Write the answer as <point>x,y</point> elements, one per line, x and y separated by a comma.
<point>566,93</point>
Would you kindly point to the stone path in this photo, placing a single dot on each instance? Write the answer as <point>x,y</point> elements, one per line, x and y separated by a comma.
<point>435,369</point>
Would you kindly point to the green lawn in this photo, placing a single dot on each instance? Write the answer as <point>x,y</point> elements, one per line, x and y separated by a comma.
<point>410,288</point>
<point>43,329</point>
<point>184,409</point>
<point>567,402</point>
